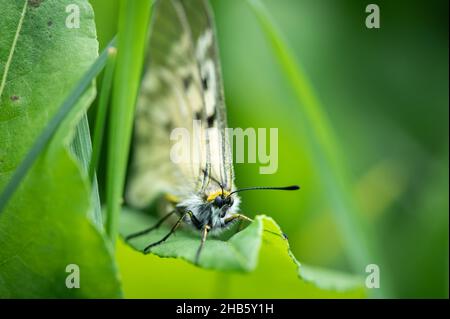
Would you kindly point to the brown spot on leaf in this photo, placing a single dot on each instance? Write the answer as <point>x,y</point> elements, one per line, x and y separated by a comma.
<point>50,23</point>
<point>14,98</point>
<point>35,3</point>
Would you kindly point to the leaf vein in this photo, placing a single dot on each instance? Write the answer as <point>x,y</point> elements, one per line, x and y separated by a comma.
<point>13,47</point>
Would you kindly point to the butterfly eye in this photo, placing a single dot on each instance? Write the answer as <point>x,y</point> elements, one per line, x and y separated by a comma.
<point>219,201</point>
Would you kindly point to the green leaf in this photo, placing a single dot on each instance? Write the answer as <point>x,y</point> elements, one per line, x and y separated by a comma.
<point>41,232</point>
<point>257,260</point>
<point>239,253</point>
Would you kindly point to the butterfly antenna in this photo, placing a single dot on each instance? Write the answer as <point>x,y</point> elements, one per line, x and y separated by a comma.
<point>285,188</point>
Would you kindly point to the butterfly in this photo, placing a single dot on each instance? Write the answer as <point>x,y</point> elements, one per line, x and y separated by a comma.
<point>182,88</point>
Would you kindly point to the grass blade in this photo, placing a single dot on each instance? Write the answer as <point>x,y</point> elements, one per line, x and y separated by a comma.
<point>51,128</point>
<point>325,147</point>
<point>132,36</point>
<point>102,110</point>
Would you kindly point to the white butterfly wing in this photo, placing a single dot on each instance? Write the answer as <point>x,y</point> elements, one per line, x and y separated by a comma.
<point>181,91</point>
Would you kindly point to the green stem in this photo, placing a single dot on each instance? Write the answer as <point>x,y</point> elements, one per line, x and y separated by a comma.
<point>132,35</point>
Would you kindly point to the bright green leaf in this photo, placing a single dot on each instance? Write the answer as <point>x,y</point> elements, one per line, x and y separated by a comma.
<point>255,262</point>
<point>41,232</point>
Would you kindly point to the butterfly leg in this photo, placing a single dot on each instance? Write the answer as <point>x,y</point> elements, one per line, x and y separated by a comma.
<point>194,220</point>
<point>172,230</point>
<point>202,243</point>
<point>146,231</point>
<point>237,216</point>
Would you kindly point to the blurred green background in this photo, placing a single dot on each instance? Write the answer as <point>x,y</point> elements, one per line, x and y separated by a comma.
<point>385,92</point>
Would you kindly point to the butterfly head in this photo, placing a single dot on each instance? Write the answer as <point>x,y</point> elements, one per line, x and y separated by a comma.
<point>216,208</point>
<point>221,201</point>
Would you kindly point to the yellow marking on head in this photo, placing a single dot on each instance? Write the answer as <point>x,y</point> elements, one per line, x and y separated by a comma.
<point>212,196</point>
<point>172,198</point>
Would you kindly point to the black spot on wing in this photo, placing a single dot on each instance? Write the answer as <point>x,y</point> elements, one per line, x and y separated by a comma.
<point>198,115</point>
<point>210,119</point>
<point>205,83</point>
